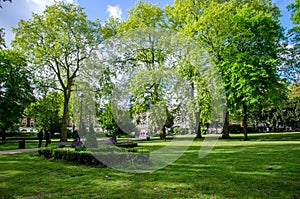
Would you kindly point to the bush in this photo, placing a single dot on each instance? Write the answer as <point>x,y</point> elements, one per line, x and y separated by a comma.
<point>126,144</point>
<point>81,148</point>
<point>47,152</point>
<point>235,128</point>
<point>105,154</point>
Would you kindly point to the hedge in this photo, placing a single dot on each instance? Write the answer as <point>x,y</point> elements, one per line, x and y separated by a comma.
<point>126,144</point>
<point>112,157</point>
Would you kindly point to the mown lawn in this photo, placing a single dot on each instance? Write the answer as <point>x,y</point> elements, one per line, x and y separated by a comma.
<point>14,144</point>
<point>267,166</point>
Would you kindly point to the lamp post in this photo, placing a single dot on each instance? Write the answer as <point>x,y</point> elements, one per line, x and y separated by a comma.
<point>81,125</point>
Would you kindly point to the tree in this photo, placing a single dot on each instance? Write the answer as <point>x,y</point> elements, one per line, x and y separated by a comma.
<point>155,54</point>
<point>295,31</point>
<point>146,58</point>
<point>57,43</point>
<point>286,115</point>
<point>250,64</point>
<point>110,27</point>
<point>112,122</point>
<point>2,40</point>
<point>290,67</point>
<point>242,37</point>
<point>15,90</point>
<point>208,22</point>
<point>47,112</point>
<point>143,15</point>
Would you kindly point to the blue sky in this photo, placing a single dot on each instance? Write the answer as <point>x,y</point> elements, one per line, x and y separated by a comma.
<point>100,9</point>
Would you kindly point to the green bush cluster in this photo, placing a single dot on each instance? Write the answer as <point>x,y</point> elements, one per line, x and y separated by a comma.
<point>237,128</point>
<point>105,154</point>
<point>126,144</point>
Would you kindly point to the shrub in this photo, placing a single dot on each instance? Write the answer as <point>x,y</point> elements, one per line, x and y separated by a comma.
<point>81,148</point>
<point>235,128</point>
<point>108,154</point>
<point>126,144</point>
<point>61,145</point>
<point>47,152</point>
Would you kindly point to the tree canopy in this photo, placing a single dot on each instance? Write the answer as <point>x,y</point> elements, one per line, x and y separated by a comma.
<point>16,92</point>
<point>57,43</point>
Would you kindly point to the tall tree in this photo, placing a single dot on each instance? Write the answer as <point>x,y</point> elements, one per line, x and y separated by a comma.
<point>57,43</point>
<point>148,57</point>
<point>250,64</point>
<point>15,90</point>
<point>295,31</point>
<point>291,58</point>
<point>208,22</point>
<point>243,38</point>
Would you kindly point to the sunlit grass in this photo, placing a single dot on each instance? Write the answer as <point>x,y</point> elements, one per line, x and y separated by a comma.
<point>267,166</point>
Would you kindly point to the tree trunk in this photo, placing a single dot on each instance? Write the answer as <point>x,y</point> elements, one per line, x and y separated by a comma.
<point>198,126</point>
<point>3,135</point>
<point>245,117</point>
<point>67,94</point>
<point>225,131</point>
<point>162,133</point>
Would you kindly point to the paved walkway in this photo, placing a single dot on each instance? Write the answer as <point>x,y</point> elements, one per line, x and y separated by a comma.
<point>18,151</point>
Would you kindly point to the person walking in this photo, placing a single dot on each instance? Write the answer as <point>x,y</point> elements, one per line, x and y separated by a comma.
<point>40,137</point>
<point>47,138</point>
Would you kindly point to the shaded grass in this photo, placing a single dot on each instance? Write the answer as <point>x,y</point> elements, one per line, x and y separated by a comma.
<point>265,167</point>
<point>14,144</point>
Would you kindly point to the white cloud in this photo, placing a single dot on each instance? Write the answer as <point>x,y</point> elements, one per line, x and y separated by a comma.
<point>114,11</point>
<point>12,13</point>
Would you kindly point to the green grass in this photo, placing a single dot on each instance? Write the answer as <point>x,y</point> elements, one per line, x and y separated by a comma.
<point>14,144</point>
<point>267,166</point>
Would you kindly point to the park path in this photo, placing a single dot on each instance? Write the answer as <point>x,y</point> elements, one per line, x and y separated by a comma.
<point>7,152</point>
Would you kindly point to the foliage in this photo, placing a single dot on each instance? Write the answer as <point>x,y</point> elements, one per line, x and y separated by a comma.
<point>46,152</point>
<point>290,67</point>
<point>90,158</point>
<point>81,148</point>
<point>47,112</point>
<point>127,144</point>
<point>16,92</point>
<point>2,39</point>
<point>243,38</point>
<point>143,15</point>
<point>154,60</point>
<point>295,31</point>
<point>110,28</point>
<point>112,122</point>
<point>57,43</point>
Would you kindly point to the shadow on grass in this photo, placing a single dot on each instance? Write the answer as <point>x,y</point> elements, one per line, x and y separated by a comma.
<point>233,169</point>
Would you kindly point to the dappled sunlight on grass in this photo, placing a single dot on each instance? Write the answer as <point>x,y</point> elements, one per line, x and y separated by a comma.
<point>233,169</point>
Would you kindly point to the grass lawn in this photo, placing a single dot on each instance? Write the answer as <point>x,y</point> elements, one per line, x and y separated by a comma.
<point>267,166</point>
<point>14,144</point>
